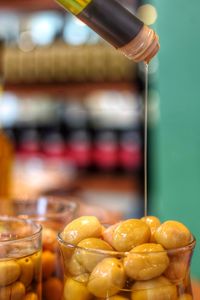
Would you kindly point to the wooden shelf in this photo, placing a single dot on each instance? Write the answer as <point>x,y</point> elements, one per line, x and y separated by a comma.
<point>28,5</point>
<point>123,183</point>
<point>69,88</point>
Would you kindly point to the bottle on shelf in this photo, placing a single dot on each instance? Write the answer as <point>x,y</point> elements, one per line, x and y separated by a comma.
<point>105,153</point>
<point>117,26</point>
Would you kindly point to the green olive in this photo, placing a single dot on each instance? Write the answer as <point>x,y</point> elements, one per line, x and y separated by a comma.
<point>185,297</point>
<point>146,261</point>
<point>172,235</point>
<point>82,228</point>
<point>27,270</point>
<point>17,291</point>
<point>107,278</point>
<point>155,289</point>
<point>88,258</point>
<point>31,296</point>
<point>9,272</point>
<point>129,234</point>
<point>75,290</point>
<point>36,259</point>
<point>153,224</point>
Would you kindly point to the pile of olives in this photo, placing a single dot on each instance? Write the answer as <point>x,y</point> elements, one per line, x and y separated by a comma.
<point>20,278</point>
<point>135,259</point>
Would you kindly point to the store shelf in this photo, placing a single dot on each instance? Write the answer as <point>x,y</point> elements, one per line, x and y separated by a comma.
<point>109,182</point>
<point>69,88</point>
<point>28,5</point>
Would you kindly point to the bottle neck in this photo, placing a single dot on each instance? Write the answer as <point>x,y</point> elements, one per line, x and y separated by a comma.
<point>143,47</point>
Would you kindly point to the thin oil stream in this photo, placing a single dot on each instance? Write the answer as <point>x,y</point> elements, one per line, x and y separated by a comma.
<point>146,68</point>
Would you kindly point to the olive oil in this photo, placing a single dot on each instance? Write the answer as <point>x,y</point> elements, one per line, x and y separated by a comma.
<point>146,68</point>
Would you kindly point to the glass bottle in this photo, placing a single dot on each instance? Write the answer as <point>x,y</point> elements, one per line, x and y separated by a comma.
<point>117,26</point>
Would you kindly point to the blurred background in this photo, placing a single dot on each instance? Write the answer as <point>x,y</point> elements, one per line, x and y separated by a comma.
<point>71,112</point>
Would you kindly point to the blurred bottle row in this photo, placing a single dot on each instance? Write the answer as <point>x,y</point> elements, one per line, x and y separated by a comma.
<point>110,150</point>
<point>102,129</point>
<point>102,109</point>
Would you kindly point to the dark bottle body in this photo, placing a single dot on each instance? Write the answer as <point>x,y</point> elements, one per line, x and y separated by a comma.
<point>116,25</point>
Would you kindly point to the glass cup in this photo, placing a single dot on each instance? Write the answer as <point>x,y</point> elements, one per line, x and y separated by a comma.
<point>20,259</point>
<point>98,274</point>
<point>53,214</point>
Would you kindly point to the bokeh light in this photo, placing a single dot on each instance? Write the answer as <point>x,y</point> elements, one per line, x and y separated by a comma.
<point>147,13</point>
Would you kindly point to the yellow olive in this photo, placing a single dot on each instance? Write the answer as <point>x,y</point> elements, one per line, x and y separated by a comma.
<point>31,296</point>
<point>36,259</point>
<point>5,292</point>
<point>116,297</point>
<point>130,233</point>
<point>153,224</point>
<point>82,228</point>
<point>49,239</point>
<point>17,291</point>
<point>75,290</point>
<point>52,289</point>
<point>27,270</point>
<point>108,233</point>
<point>172,235</point>
<point>67,252</point>
<point>146,261</point>
<point>178,266</point>
<point>9,272</point>
<point>185,297</point>
<point>107,278</point>
<point>155,289</point>
<point>48,264</point>
<point>88,258</point>
<point>74,267</point>
<point>82,278</point>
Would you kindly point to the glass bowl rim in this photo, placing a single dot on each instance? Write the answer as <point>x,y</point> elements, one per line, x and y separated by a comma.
<point>189,246</point>
<point>38,229</point>
<point>72,206</point>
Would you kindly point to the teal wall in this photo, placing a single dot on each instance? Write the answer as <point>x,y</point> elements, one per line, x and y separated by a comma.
<point>175,144</point>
